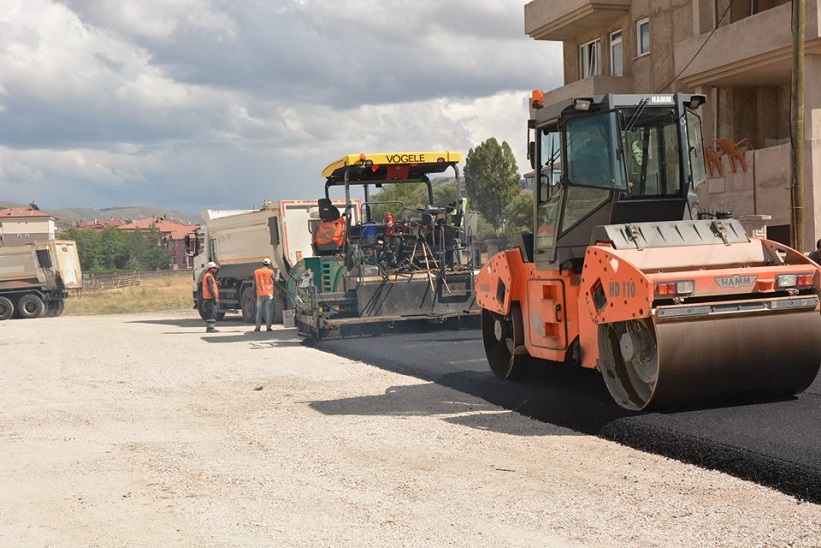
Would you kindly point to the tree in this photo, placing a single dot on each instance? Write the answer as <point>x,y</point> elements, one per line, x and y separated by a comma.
<point>115,248</point>
<point>491,179</point>
<point>89,248</point>
<point>519,215</point>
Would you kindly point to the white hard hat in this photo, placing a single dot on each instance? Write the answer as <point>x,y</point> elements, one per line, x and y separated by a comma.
<point>212,264</point>
<point>266,260</point>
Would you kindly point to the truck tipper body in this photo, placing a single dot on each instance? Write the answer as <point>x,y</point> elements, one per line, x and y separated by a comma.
<point>35,279</point>
<point>238,241</point>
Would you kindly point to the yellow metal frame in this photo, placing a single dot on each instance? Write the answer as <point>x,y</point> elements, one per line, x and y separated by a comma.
<point>437,161</point>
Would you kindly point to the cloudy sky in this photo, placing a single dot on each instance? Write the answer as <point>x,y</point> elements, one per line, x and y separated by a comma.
<point>194,104</point>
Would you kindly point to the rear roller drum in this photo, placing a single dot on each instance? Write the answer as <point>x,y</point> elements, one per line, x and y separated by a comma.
<point>503,337</point>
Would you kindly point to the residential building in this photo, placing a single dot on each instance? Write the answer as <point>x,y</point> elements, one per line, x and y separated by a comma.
<point>738,54</point>
<point>100,224</point>
<point>20,226</point>
<point>173,237</point>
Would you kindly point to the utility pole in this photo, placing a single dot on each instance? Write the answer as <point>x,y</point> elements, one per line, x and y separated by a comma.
<point>797,125</point>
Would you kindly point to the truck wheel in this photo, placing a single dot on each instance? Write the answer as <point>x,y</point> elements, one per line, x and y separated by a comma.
<point>279,306</point>
<point>6,308</point>
<point>248,303</point>
<point>30,306</point>
<point>200,309</point>
<point>55,308</point>
<point>199,305</point>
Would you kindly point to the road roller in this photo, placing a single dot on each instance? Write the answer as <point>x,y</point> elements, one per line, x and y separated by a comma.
<point>624,274</point>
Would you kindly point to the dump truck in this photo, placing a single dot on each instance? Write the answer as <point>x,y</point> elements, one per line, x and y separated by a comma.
<point>393,261</point>
<point>623,273</point>
<point>238,240</point>
<point>35,279</point>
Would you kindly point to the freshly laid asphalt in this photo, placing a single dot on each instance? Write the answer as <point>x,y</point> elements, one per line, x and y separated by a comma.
<point>775,443</point>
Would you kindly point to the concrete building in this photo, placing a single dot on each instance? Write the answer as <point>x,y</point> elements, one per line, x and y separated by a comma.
<point>738,53</point>
<point>20,226</point>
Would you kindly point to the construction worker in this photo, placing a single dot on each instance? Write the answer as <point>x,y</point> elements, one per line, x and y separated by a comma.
<point>331,227</point>
<point>264,289</point>
<point>331,231</point>
<point>210,297</point>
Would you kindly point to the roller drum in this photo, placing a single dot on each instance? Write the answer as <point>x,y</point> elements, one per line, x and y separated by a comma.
<point>647,364</point>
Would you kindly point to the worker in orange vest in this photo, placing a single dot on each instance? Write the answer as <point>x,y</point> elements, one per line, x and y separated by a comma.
<point>210,297</point>
<point>331,231</point>
<point>264,289</point>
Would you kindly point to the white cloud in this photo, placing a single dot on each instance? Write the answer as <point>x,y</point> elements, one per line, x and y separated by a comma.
<point>182,103</point>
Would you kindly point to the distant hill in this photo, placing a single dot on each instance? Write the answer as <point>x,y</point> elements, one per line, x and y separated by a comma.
<point>69,216</point>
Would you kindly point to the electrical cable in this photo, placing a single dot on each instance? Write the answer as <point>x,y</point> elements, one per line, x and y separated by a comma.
<point>690,62</point>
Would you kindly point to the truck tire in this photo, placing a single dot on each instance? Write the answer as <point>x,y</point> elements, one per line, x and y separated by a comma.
<point>199,305</point>
<point>6,308</point>
<point>218,316</point>
<point>279,306</point>
<point>55,308</point>
<point>248,304</point>
<point>30,306</point>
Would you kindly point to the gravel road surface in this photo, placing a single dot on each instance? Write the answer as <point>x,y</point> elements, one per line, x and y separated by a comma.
<point>141,430</point>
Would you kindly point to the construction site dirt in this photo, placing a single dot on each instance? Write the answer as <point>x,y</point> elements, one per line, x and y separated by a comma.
<point>143,430</point>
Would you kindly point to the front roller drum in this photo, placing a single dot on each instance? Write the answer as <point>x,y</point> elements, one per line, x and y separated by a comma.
<point>503,337</point>
<point>676,363</point>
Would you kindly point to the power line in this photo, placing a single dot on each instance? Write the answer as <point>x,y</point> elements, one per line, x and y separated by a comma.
<point>720,19</point>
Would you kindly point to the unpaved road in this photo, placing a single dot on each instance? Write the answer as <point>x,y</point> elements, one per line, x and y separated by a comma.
<point>141,430</point>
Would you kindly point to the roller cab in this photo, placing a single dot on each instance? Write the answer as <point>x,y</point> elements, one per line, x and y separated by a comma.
<point>624,275</point>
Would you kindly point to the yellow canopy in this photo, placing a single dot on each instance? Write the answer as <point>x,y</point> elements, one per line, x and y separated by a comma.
<point>420,162</point>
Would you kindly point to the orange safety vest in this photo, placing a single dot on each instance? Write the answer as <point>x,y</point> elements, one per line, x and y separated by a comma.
<point>331,231</point>
<point>264,281</point>
<point>206,287</point>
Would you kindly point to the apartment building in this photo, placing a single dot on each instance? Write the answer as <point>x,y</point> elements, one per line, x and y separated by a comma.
<point>21,226</point>
<point>736,52</point>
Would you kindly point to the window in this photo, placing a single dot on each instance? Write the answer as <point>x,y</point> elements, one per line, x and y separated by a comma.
<point>643,36</point>
<point>590,59</point>
<point>616,57</point>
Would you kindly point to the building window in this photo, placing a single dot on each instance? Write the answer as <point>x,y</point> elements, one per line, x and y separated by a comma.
<point>616,57</point>
<point>590,59</point>
<point>643,36</point>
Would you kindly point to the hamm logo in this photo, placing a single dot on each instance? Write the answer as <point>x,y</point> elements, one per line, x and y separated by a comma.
<point>736,281</point>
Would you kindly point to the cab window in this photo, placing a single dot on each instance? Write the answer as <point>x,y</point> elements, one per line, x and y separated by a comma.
<point>547,208</point>
<point>653,153</point>
<point>593,152</point>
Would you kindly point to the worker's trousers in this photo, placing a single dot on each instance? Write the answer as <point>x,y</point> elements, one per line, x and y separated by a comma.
<point>265,304</point>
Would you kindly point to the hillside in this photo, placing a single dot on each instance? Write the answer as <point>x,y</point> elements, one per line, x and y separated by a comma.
<point>69,216</point>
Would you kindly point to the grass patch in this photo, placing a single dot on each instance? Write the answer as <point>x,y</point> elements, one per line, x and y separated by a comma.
<point>166,292</point>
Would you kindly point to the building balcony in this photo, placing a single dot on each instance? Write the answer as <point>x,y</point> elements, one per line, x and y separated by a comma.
<point>589,87</point>
<point>755,51</point>
<point>561,20</point>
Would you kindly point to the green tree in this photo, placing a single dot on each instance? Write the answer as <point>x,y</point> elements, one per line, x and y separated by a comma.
<point>147,251</point>
<point>445,193</point>
<point>114,244</point>
<point>491,180</point>
<point>519,215</point>
<point>410,195</point>
<point>89,248</point>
